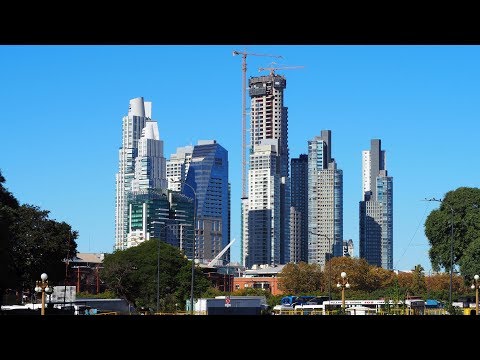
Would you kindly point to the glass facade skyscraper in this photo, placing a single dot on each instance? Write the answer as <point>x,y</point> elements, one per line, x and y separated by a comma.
<point>376,209</point>
<point>208,176</point>
<point>299,209</point>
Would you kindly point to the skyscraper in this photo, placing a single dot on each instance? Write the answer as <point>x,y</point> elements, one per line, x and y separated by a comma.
<point>325,201</point>
<point>141,163</point>
<point>208,175</point>
<point>266,212</point>
<point>299,209</point>
<point>148,210</point>
<point>177,167</point>
<point>376,209</point>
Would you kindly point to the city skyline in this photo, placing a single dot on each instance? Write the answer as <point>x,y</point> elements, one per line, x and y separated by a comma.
<point>63,105</point>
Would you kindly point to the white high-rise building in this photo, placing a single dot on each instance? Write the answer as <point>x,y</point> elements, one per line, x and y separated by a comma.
<point>177,167</point>
<point>325,201</point>
<point>141,162</point>
<point>263,245</point>
<point>380,162</point>
<point>150,171</point>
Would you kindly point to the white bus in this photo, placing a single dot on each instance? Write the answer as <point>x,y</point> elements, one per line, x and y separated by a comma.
<point>358,307</point>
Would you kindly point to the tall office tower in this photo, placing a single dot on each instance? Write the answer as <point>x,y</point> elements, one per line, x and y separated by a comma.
<point>348,248</point>
<point>180,230</point>
<point>177,167</point>
<point>299,209</point>
<point>376,209</point>
<point>325,201</point>
<point>141,162</point>
<point>148,210</point>
<point>208,175</point>
<point>268,209</point>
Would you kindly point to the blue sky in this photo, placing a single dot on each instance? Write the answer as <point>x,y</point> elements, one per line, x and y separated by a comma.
<point>62,109</point>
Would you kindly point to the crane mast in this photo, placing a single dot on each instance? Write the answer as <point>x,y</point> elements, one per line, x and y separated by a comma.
<point>244,114</point>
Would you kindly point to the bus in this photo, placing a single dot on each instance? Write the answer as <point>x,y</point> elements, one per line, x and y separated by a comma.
<point>292,302</point>
<point>355,307</point>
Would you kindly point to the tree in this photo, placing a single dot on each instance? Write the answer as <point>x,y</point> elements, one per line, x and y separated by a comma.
<point>6,197</point>
<point>39,244</point>
<point>357,272</point>
<point>132,275</point>
<point>30,244</point>
<point>470,261</point>
<point>418,280</point>
<point>300,278</point>
<point>8,204</point>
<point>438,286</point>
<point>465,203</point>
<point>379,278</point>
<point>405,281</point>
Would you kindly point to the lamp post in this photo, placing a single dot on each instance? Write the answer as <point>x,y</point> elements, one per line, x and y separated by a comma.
<point>476,286</point>
<point>451,249</point>
<point>343,283</point>
<point>194,238</point>
<point>43,287</point>
<point>329,262</point>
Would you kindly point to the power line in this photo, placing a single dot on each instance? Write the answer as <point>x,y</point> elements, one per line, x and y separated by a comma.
<point>415,233</point>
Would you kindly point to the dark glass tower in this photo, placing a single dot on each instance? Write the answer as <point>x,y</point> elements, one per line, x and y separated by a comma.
<point>208,176</point>
<point>299,209</point>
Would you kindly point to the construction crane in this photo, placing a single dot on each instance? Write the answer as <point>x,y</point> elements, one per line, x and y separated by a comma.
<point>219,255</point>
<point>244,113</point>
<point>273,68</point>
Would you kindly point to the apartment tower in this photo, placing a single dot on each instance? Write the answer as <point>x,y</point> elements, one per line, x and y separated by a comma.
<point>376,208</point>
<point>325,201</point>
<point>266,212</point>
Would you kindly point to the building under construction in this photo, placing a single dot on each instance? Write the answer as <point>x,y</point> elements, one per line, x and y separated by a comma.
<point>265,212</point>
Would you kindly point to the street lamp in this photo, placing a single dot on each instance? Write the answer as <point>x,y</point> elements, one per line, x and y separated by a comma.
<point>476,286</point>
<point>194,238</point>
<point>343,283</point>
<point>451,249</point>
<point>43,287</point>
<point>329,262</point>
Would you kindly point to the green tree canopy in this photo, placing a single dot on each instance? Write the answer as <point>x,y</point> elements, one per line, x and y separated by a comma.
<point>8,204</point>
<point>470,261</point>
<point>6,197</point>
<point>30,244</point>
<point>418,282</point>
<point>40,245</point>
<point>465,203</point>
<point>132,275</point>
